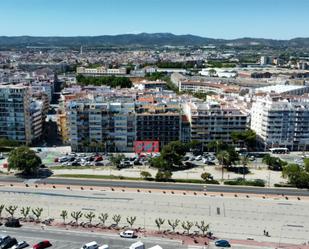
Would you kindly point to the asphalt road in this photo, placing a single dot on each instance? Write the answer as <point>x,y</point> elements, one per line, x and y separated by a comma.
<point>63,239</point>
<point>165,186</point>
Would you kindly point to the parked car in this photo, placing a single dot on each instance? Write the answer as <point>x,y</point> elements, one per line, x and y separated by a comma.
<point>90,245</point>
<point>4,238</point>
<point>12,222</point>
<point>198,158</point>
<point>9,243</point>
<point>127,234</point>
<point>137,245</point>
<point>104,247</point>
<point>222,243</point>
<point>42,245</point>
<point>20,245</point>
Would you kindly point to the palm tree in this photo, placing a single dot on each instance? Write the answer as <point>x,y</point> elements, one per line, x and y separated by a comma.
<point>224,159</point>
<point>244,161</point>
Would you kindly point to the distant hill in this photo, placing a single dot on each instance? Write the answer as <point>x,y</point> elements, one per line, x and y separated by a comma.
<point>144,39</point>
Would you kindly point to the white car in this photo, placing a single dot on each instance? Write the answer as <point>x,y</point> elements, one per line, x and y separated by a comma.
<point>20,245</point>
<point>127,234</point>
<point>90,245</point>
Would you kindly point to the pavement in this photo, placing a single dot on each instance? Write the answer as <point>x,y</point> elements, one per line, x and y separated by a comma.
<point>236,219</point>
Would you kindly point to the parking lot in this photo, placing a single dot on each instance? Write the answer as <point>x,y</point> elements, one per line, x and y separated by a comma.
<point>62,239</point>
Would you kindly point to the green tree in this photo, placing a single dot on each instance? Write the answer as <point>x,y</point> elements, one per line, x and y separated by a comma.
<point>90,216</point>
<point>117,218</point>
<point>187,225</point>
<point>159,223</point>
<point>76,215</point>
<point>216,145</point>
<point>163,176</point>
<point>24,159</point>
<point>173,224</point>
<point>247,137</point>
<point>173,152</point>
<point>103,218</point>
<point>131,220</point>
<point>224,159</point>
<point>160,163</point>
<point>244,160</point>
<point>145,175</point>
<point>206,176</point>
<point>11,210</point>
<point>37,213</point>
<point>64,215</point>
<point>202,226</point>
<point>25,211</point>
<point>116,159</point>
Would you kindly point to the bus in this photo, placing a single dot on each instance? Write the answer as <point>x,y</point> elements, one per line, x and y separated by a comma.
<point>279,150</point>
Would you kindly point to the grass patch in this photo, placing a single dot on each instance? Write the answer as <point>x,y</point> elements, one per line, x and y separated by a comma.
<point>241,181</point>
<point>74,167</point>
<point>113,177</point>
<point>110,177</point>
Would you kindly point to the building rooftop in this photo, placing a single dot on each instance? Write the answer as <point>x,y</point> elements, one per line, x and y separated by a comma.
<point>280,88</point>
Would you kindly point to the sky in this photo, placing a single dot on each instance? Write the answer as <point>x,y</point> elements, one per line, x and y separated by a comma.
<point>277,19</point>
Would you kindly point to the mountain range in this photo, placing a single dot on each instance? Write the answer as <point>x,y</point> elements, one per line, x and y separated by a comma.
<point>145,39</point>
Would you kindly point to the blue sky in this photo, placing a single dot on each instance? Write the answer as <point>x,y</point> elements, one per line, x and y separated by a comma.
<point>279,19</point>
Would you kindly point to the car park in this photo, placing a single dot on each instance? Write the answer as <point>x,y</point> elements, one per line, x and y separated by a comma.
<point>20,245</point>
<point>222,243</point>
<point>42,245</point>
<point>127,234</point>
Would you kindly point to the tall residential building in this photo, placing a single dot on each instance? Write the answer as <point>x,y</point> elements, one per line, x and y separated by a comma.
<point>212,121</point>
<point>94,124</point>
<point>281,122</point>
<point>15,122</point>
<point>158,122</point>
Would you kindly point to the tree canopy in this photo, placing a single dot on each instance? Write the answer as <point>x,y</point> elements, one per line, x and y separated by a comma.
<point>24,159</point>
<point>112,81</point>
<point>297,175</point>
<point>248,137</point>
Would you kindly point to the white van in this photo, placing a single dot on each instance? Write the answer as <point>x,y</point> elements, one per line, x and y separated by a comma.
<point>127,234</point>
<point>91,245</point>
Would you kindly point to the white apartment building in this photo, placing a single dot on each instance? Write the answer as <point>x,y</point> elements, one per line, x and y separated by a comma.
<point>212,121</point>
<point>99,71</point>
<point>20,117</point>
<point>281,122</point>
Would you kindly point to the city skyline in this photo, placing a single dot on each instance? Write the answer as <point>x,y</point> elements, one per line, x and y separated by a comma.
<point>214,19</point>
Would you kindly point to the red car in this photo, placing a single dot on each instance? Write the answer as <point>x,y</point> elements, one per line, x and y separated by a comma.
<point>43,244</point>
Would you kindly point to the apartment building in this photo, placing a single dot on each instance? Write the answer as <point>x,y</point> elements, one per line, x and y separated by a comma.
<point>100,71</point>
<point>281,122</point>
<point>158,122</point>
<point>21,117</point>
<point>212,121</point>
<point>100,124</point>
